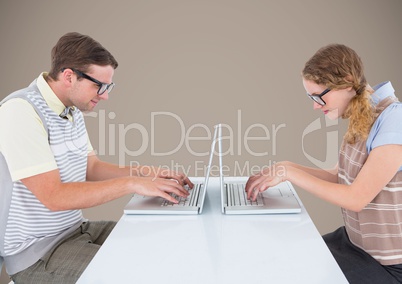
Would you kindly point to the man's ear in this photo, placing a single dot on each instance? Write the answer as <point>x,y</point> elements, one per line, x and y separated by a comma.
<point>67,76</point>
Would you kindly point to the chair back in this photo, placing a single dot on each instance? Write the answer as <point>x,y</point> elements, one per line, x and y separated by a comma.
<point>1,264</point>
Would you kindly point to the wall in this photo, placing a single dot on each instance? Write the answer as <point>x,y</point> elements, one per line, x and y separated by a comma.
<point>187,65</point>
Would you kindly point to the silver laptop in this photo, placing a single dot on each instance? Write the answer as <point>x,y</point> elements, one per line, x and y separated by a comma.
<point>279,199</point>
<point>192,204</point>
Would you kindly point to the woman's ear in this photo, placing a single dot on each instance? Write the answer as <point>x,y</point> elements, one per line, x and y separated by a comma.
<point>350,80</point>
<point>350,89</point>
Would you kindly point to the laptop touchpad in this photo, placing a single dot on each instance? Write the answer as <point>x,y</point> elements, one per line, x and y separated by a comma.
<point>272,192</point>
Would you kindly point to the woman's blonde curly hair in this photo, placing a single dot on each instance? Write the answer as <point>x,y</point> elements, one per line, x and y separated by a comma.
<point>339,67</point>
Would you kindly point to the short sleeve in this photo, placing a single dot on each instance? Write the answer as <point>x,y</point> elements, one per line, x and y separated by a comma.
<point>24,141</point>
<point>387,129</point>
<point>90,147</point>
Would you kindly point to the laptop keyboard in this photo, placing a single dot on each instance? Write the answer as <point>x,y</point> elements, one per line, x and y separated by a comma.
<point>190,200</point>
<point>237,196</point>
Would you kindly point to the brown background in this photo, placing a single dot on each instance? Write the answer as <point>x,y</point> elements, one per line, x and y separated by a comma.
<point>206,62</point>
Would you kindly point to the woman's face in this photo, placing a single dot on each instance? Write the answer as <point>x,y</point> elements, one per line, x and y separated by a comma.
<point>336,101</point>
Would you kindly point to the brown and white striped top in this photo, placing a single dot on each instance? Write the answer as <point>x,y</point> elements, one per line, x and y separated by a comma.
<point>377,229</point>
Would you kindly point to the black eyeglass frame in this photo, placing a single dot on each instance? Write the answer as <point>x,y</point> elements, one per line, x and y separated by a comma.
<point>318,98</point>
<point>103,87</point>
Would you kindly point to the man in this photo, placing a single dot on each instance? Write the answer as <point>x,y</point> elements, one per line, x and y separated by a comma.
<point>49,172</point>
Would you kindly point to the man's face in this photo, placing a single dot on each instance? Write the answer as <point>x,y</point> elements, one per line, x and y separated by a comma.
<point>84,93</point>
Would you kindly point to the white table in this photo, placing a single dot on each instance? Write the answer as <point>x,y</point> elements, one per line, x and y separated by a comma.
<point>214,248</point>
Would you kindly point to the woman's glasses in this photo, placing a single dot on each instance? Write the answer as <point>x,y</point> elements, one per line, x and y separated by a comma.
<point>318,98</point>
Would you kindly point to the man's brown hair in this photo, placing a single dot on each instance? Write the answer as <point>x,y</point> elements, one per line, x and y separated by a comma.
<point>74,50</point>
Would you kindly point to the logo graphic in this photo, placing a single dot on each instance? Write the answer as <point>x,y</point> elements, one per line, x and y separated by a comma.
<point>331,153</point>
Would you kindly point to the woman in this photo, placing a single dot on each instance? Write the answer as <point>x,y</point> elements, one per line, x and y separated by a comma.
<point>367,182</point>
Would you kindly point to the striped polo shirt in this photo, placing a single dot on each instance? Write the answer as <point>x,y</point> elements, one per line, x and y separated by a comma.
<point>377,229</point>
<point>27,228</point>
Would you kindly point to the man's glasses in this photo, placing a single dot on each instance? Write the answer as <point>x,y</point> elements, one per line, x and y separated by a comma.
<point>318,98</point>
<point>103,87</point>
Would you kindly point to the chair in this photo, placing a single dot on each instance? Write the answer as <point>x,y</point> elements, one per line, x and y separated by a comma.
<point>1,267</point>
